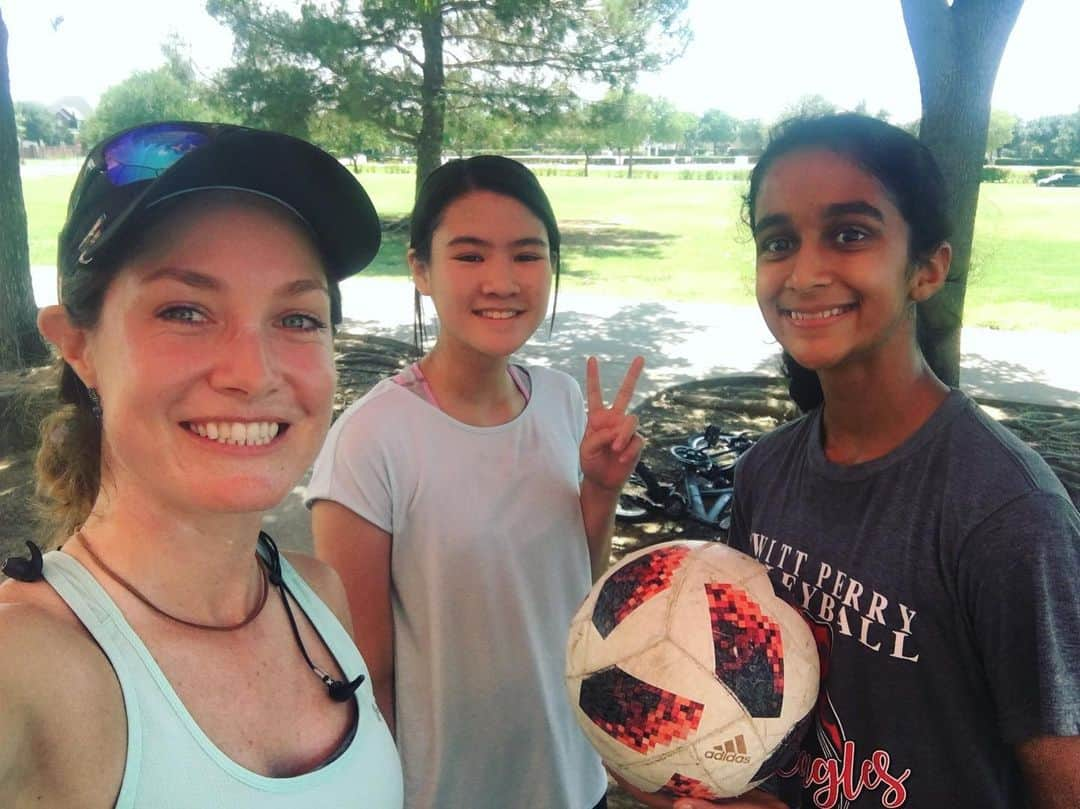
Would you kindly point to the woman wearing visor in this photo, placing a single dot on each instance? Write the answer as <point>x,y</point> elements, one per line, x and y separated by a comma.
<point>167,655</point>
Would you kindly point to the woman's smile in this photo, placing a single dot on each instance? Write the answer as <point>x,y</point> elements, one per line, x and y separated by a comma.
<point>237,433</point>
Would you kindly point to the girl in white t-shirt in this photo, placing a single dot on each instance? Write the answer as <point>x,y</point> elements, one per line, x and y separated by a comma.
<point>468,505</point>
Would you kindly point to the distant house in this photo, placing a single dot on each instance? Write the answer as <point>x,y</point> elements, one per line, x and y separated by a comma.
<point>71,112</point>
<point>68,118</point>
<point>62,139</point>
<point>78,104</point>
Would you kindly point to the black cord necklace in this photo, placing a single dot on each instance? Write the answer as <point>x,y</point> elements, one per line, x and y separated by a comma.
<point>339,690</point>
<point>30,570</point>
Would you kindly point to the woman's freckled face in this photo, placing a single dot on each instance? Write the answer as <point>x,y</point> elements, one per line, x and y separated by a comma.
<point>222,327</point>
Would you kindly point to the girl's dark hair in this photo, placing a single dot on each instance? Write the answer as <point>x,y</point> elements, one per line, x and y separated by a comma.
<point>904,167</point>
<point>804,386</point>
<point>455,179</point>
<point>68,464</point>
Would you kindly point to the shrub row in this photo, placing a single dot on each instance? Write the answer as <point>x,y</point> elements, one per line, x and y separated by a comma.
<point>994,174</point>
<point>990,174</point>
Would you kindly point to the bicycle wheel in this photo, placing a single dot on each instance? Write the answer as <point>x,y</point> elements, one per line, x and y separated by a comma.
<point>690,456</point>
<point>632,509</point>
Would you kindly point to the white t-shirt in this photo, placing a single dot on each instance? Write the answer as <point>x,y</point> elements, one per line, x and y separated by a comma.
<point>489,563</point>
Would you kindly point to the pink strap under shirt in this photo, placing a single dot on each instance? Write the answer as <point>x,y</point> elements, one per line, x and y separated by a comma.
<point>413,379</point>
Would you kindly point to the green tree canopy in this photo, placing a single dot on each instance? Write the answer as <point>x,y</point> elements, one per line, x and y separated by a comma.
<point>751,135</point>
<point>477,129</point>
<point>808,106</point>
<point>717,127</point>
<point>284,98</point>
<point>346,139</point>
<point>626,119</point>
<point>671,125</point>
<point>406,65</point>
<point>579,128</point>
<point>1049,138</point>
<point>147,95</point>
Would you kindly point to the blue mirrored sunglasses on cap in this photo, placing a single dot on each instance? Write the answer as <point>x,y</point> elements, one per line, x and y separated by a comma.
<point>138,168</point>
<point>137,155</point>
<point>145,152</point>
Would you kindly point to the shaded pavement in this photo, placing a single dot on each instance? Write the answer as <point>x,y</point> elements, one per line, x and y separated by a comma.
<point>688,342</point>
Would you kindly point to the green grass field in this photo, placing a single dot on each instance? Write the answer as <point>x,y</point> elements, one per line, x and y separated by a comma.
<point>684,240</point>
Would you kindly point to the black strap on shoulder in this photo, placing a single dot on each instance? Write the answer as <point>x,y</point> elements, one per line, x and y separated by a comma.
<point>273,559</point>
<point>25,569</point>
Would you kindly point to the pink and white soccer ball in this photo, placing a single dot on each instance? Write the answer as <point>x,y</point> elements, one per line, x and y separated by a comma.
<point>688,674</point>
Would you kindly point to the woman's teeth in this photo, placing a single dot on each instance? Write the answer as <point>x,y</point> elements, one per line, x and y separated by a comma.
<point>498,314</point>
<point>249,434</point>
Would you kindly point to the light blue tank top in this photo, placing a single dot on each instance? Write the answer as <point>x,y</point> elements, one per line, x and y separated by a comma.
<point>172,764</point>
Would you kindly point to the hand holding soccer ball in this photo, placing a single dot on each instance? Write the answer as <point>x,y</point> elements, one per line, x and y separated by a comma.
<point>689,675</point>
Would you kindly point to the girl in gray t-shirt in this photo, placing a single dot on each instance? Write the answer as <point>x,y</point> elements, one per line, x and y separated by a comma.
<point>468,504</point>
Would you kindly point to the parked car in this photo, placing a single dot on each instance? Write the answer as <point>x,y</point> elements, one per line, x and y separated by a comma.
<point>1068,178</point>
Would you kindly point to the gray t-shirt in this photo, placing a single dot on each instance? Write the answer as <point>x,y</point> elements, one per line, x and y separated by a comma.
<point>941,580</point>
<point>489,563</point>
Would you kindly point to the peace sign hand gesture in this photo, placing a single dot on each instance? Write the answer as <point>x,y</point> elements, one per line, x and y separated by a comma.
<point>611,445</point>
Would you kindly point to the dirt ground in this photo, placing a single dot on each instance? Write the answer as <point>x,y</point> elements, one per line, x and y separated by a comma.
<point>733,403</point>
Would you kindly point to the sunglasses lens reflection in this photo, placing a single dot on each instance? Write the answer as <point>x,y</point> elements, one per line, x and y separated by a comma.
<point>146,152</point>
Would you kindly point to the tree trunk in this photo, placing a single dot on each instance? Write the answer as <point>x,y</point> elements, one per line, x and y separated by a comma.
<point>586,163</point>
<point>957,51</point>
<point>630,163</point>
<point>20,343</point>
<point>432,96</point>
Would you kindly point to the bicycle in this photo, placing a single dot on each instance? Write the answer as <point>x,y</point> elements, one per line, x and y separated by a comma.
<point>702,492</point>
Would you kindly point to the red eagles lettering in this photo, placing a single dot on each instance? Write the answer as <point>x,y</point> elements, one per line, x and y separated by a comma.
<point>839,784</point>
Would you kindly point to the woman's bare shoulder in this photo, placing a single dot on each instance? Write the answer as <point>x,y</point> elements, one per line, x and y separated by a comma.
<point>29,608</point>
<point>50,671</point>
<point>40,634</point>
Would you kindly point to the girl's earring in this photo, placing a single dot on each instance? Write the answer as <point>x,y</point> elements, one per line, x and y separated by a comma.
<point>95,402</point>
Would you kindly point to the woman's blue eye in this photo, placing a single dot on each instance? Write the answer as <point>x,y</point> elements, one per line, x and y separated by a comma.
<point>183,314</point>
<point>302,322</point>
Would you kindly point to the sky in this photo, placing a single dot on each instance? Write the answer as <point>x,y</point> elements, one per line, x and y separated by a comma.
<point>750,58</point>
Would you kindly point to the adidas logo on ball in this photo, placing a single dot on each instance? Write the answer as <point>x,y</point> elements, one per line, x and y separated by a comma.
<point>732,751</point>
